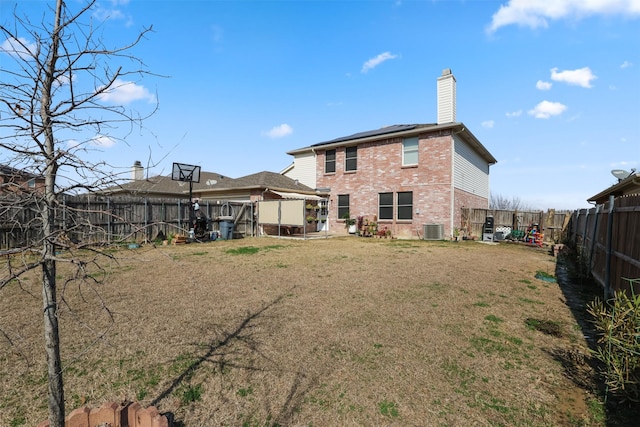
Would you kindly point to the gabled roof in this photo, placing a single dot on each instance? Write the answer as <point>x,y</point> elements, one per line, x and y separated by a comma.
<point>629,185</point>
<point>210,183</point>
<point>262,180</point>
<point>402,131</point>
<point>366,134</point>
<point>164,185</point>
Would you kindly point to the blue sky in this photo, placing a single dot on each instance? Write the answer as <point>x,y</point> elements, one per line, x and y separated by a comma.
<point>551,88</point>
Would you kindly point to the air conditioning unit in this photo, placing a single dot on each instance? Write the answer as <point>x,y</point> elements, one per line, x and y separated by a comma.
<point>433,231</point>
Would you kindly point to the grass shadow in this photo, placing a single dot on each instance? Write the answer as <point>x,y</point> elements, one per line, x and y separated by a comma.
<point>215,353</point>
<point>579,290</point>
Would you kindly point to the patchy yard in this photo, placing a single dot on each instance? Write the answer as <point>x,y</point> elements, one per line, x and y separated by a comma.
<point>344,331</point>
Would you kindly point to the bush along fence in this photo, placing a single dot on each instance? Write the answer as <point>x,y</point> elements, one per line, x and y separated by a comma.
<point>552,223</point>
<point>95,219</point>
<point>607,238</point>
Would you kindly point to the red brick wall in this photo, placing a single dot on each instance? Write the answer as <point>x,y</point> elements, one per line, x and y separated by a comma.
<point>380,170</point>
<point>466,200</point>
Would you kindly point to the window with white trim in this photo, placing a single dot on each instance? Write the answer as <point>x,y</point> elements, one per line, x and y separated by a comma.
<point>410,151</point>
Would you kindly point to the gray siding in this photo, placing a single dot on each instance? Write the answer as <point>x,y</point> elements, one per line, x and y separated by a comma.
<point>470,171</point>
<point>304,169</point>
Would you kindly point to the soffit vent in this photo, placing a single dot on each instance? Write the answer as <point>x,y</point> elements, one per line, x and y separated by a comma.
<point>433,231</point>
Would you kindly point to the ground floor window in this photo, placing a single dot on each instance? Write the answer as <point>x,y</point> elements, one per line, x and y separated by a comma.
<point>385,206</point>
<point>405,205</point>
<point>343,205</point>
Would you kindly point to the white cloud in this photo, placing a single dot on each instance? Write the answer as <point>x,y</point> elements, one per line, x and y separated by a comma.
<point>543,85</point>
<point>113,13</point>
<point>374,62</point>
<point>546,109</point>
<point>125,92</point>
<point>20,47</point>
<point>72,143</point>
<point>102,141</point>
<point>626,64</point>
<point>488,124</point>
<point>580,77</point>
<point>279,131</point>
<point>537,13</point>
<point>514,114</point>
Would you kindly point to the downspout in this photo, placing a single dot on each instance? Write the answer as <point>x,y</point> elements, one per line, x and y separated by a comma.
<point>452,203</point>
<point>453,188</point>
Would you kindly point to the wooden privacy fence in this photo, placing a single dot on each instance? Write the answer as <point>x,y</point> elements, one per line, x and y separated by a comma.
<point>552,223</point>
<point>608,238</point>
<point>91,218</point>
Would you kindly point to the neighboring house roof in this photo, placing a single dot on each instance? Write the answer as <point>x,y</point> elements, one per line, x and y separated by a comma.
<point>262,181</point>
<point>9,171</point>
<point>210,184</point>
<point>164,186</point>
<point>397,131</point>
<point>625,187</point>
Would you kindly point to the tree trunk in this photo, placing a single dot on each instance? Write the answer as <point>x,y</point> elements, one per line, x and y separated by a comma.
<point>49,298</point>
<point>52,341</point>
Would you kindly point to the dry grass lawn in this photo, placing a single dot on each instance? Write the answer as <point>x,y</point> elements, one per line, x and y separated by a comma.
<point>342,331</point>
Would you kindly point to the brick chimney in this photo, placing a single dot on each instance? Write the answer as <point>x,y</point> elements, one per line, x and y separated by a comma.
<point>137,171</point>
<point>446,97</point>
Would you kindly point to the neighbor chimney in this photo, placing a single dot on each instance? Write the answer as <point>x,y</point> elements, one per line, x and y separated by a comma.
<point>137,171</point>
<point>446,97</point>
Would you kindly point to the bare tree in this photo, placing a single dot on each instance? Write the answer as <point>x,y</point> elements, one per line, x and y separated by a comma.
<point>53,105</point>
<point>498,201</point>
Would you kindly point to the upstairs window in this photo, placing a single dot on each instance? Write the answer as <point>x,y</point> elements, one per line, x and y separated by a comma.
<point>330,161</point>
<point>385,206</point>
<point>351,159</point>
<point>343,205</point>
<point>410,151</point>
<point>31,183</point>
<point>405,205</point>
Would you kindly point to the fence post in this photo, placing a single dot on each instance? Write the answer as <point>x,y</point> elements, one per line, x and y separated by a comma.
<point>146,221</point>
<point>594,236</point>
<point>607,268</point>
<point>109,219</point>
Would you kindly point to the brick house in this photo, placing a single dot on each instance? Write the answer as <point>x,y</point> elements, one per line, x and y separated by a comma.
<point>16,181</point>
<point>402,176</point>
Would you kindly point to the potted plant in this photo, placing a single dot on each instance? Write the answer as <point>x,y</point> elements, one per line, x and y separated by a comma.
<point>310,218</point>
<point>349,223</point>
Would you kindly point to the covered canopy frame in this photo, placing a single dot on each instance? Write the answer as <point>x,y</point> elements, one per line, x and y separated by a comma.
<point>290,211</point>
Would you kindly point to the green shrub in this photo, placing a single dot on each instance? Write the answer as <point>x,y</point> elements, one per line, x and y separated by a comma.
<point>618,326</point>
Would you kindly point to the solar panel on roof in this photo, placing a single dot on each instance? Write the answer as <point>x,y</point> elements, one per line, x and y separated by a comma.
<point>366,134</point>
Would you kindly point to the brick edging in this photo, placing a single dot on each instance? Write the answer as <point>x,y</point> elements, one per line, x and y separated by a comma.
<point>112,414</point>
